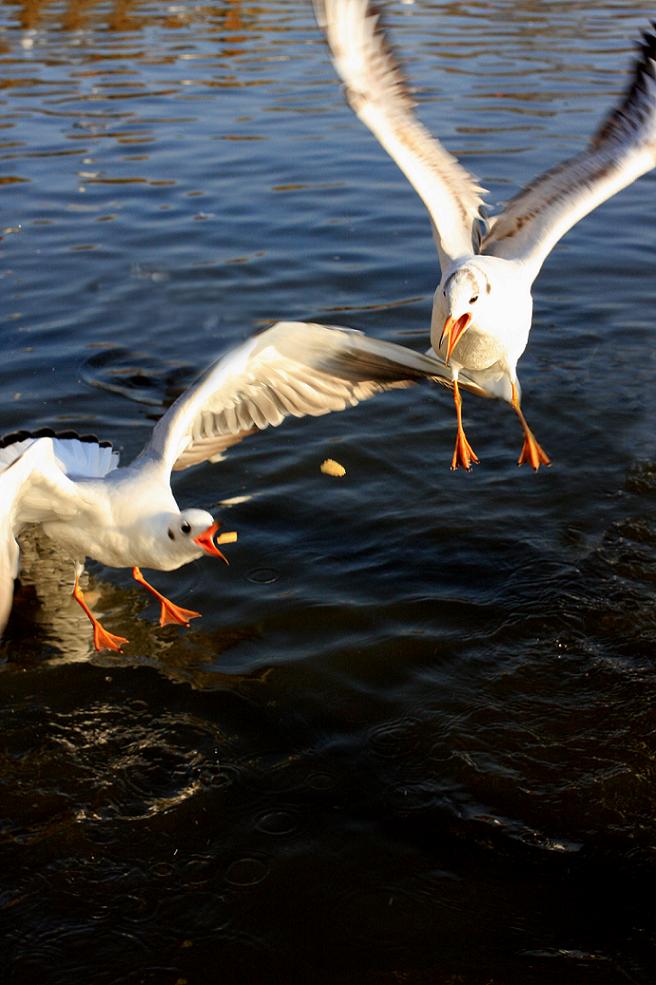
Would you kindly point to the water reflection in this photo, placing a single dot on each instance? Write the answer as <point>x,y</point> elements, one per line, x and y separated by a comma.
<point>125,15</point>
<point>44,611</point>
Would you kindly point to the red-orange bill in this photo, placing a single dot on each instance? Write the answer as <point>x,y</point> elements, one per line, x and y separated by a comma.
<point>207,543</point>
<point>452,331</point>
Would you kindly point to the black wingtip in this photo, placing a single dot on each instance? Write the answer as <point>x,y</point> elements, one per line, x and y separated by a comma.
<point>631,111</point>
<point>646,52</point>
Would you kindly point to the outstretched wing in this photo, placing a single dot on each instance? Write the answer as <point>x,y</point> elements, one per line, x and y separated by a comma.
<point>33,489</point>
<point>376,91</point>
<point>291,369</point>
<point>622,149</point>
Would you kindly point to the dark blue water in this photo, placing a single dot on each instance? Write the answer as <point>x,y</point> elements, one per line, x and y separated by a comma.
<point>412,739</point>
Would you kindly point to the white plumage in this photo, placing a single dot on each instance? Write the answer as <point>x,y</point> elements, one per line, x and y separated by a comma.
<point>482,308</point>
<point>72,487</point>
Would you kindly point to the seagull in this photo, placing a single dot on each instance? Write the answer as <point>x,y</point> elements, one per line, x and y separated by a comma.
<point>482,307</point>
<point>71,486</point>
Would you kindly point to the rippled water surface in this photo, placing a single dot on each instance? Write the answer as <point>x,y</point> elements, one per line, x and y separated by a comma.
<point>413,738</point>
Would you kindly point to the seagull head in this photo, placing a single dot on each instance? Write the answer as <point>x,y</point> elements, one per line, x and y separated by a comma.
<point>191,533</point>
<point>463,294</point>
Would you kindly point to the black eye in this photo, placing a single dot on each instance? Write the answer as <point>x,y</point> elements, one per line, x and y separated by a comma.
<point>185,527</point>
<point>171,535</point>
<point>473,300</point>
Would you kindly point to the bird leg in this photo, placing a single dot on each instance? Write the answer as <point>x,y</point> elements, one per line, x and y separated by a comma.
<point>531,451</point>
<point>102,640</point>
<point>463,453</point>
<point>170,612</point>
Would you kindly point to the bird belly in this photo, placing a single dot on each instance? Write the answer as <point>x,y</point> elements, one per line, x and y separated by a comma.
<point>107,547</point>
<point>64,535</point>
<point>477,351</point>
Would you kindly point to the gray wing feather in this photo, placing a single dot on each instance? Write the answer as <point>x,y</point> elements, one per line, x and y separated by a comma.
<point>622,149</point>
<point>376,91</point>
<point>292,369</point>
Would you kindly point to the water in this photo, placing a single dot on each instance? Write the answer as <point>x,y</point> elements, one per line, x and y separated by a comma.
<point>412,738</point>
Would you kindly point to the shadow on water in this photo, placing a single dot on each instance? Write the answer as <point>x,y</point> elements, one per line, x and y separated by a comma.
<point>412,738</point>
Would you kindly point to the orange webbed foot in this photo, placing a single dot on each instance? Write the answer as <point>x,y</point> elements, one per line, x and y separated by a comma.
<point>172,613</point>
<point>169,611</point>
<point>532,452</point>
<point>463,454</point>
<point>102,640</point>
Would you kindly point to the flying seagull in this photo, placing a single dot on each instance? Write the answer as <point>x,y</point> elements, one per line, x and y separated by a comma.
<point>482,307</point>
<point>72,488</point>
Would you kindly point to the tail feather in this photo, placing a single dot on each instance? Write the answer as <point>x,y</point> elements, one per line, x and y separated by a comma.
<point>78,455</point>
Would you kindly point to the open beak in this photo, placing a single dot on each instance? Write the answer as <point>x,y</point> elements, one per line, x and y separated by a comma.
<point>453,329</point>
<point>207,543</point>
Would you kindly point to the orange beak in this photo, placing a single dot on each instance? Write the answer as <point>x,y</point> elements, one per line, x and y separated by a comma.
<point>453,329</point>
<point>206,541</point>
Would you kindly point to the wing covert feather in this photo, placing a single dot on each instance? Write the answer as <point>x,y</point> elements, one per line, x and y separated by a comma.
<point>292,369</point>
<point>622,149</point>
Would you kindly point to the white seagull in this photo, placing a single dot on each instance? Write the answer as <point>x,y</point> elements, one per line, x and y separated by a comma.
<point>72,488</point>
<point>482,307</point>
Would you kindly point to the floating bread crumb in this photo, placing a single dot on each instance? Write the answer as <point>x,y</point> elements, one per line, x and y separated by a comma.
<point>229,537</point>
<point>331,467</point>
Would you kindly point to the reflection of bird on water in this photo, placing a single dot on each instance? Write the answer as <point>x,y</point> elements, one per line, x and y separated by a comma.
<point>38,614</point>
<point>71,485</point>
<point>482,307</point>
<point>45,578</point>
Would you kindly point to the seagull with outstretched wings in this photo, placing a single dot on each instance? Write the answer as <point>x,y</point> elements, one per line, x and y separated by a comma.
<point>72,488</point>
<point>482,308</point>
